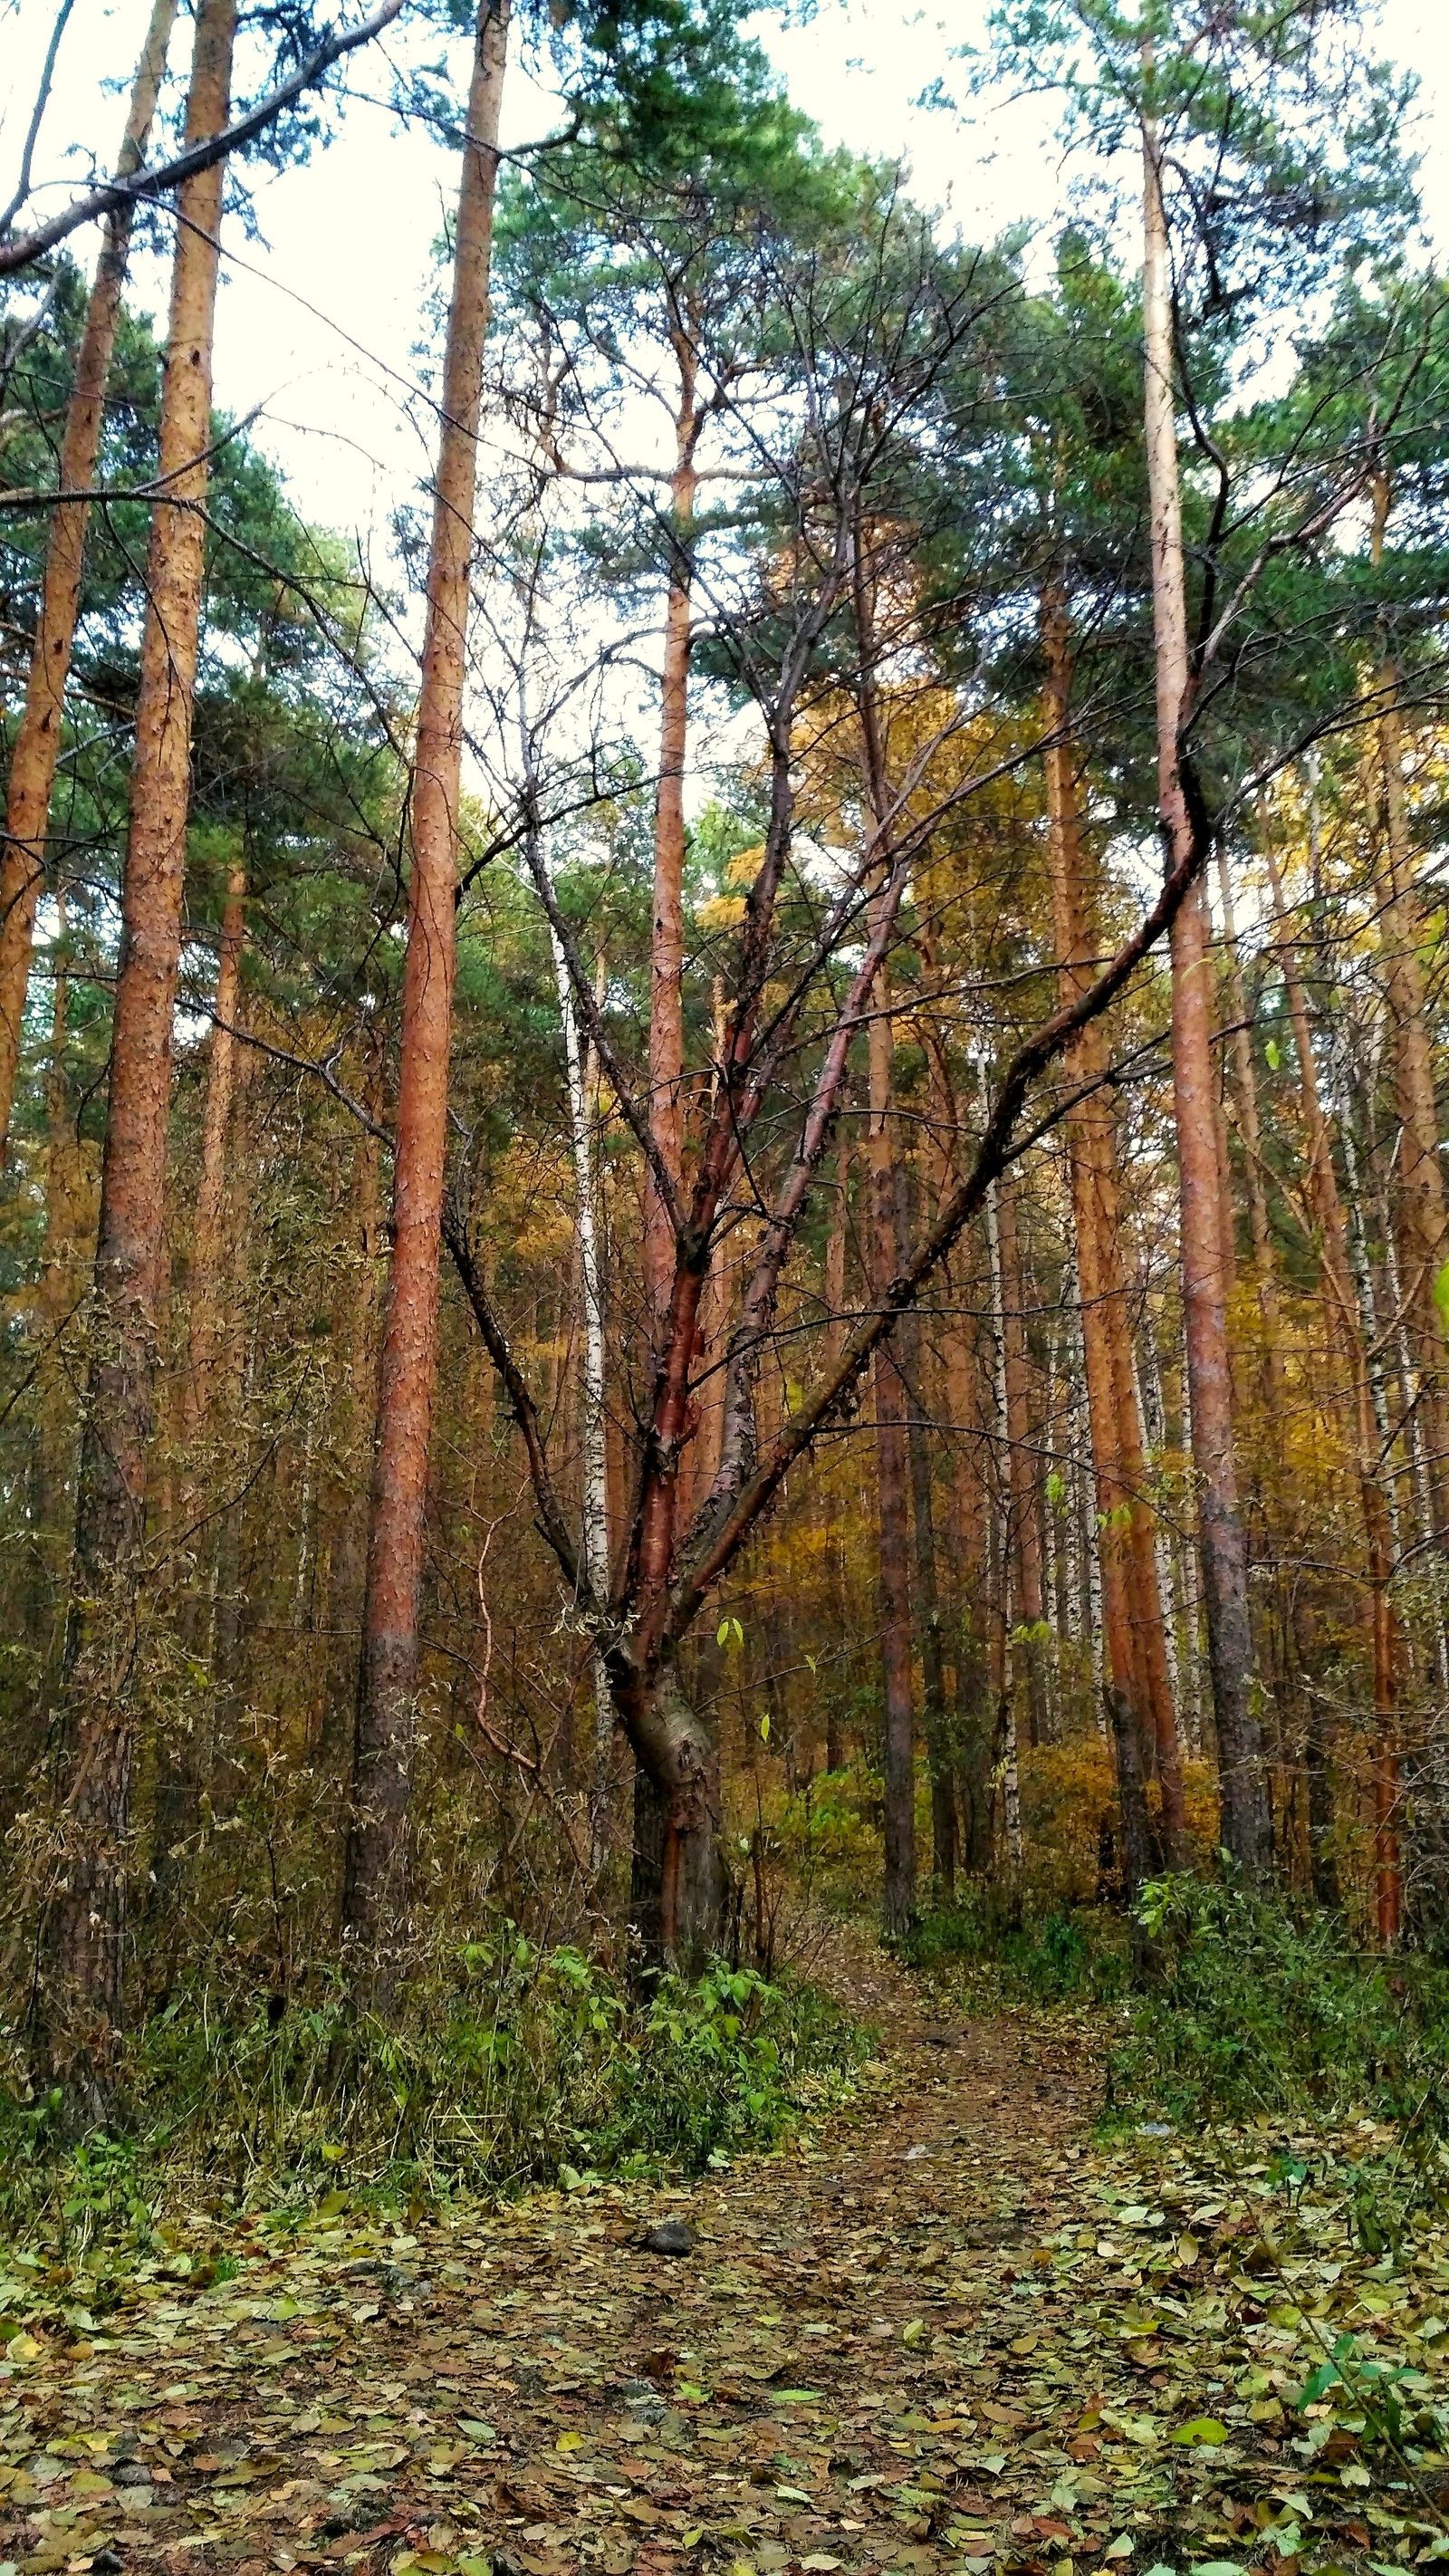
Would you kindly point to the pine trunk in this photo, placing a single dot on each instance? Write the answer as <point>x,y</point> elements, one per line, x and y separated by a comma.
<point>927,1587</point>
<point>206,1247</point>
<point>1345,1329</point>
<point>1021,1463</point>
<point>1245,1819</point>
<point>892,1500</point>
<point>373,1896</point>
<point>85,1940</point>
<point>37,743</point>
<point>666,997</point>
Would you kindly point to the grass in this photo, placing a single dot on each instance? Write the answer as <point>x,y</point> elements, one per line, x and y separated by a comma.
<point>506,2064</point>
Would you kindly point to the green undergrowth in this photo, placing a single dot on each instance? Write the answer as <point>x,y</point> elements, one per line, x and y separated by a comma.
<point>1003,1944</point>
<point>1234,2008</point>
<point>1250,2012</point>
<point>504,2065</point>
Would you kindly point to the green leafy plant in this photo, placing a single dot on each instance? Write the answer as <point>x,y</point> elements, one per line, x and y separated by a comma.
<point>506,2063</point>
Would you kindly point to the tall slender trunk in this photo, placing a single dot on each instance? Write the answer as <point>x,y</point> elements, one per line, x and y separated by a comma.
<point>666,995</point>
<point>892,1495</point>
<point>594,1461</point>
<point>927,1587</point>
<point>1422,1220</point>
<point>65,1196</point>
<point>206,1248</point>
<point>1245,1084</point>
<point>386,1722</point>
<point>1140,1703</point>
<point>1246,1820</point>
<point>1003,1676</point>
<point>85,1938</point>
<point>37,743</point>
<point>1345,1329</point>
<point>188,1761</point>
<point>1021,1473</point>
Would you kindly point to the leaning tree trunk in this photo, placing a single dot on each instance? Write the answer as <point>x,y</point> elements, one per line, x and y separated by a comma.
<point>85,1933</point>
<point>386,1723</point>
<point>1246,1820</point>
<point>37,743</point>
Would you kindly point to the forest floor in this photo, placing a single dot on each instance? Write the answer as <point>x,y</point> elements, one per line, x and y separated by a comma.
<point>950,2331</point>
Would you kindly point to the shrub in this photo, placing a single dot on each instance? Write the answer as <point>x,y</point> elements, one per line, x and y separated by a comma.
<point>508,2063</point>
<point>1252,2011</point>
<point>1026,1951</point>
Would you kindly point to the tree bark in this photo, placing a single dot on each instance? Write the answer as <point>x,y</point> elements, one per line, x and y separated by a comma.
<point>1131,1603</point>
<point>1422,1221</point>
<point>206,1244</point>
<point>373,1890</point>
<point>1021,1474</point>
<point>927,1587</point>
<point>37,743</point>
<point>679,1885</point>
<point>187,1762</point>
<point>85,1937</point>
<point>1245,1817</point>
<point>594,1513</point>
<point>666,988</point>
<point>1345,1329</point>
<point>892,1497</point>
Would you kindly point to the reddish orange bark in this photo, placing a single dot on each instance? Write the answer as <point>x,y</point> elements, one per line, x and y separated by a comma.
<point>1246,1821</point>
<point>387,1682</point>
<point>1421,1216</point>
<point>86,1925</point>
<point>666,995</point>
<point>37,742</point>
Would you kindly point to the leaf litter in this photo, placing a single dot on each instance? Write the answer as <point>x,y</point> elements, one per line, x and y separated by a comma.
<point>954,2331</point>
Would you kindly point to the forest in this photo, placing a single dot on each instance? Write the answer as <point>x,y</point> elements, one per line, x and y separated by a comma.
<point>724,1319</point>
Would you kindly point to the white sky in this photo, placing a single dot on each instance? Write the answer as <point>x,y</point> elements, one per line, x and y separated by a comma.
<point>319,318</point>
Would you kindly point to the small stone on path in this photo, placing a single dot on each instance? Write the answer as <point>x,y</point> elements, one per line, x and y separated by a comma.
<point>669,2236</point>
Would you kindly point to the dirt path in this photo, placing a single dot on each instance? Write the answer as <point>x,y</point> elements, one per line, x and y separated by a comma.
<point>907,2346</point>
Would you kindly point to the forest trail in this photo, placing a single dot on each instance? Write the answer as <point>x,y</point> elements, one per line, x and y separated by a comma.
<point>907,2344</point>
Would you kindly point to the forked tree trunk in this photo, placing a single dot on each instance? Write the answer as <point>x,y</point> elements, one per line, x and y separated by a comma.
<point>85,1938</point>
<point>679,1886</point>
<point>373,1874</point>
<point>37,743</point>
<point>1246,1820</point>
